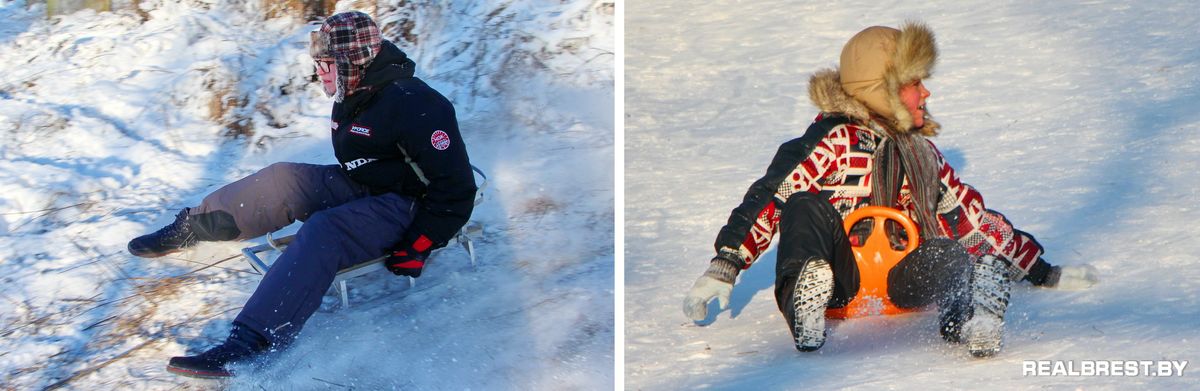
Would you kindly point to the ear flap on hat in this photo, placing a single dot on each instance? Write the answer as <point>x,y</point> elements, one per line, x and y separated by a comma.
<point>318,44</point>
<point>916,53</point>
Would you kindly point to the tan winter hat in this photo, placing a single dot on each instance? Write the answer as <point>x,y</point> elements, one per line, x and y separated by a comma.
<point>877,61</point>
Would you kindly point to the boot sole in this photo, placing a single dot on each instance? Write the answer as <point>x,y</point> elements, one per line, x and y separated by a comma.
<point>984,350</point>
<point>153,254</point>
<point>984,341</point>
<point>199,373</point>
<point>811,295</point>
<point>984,332</point>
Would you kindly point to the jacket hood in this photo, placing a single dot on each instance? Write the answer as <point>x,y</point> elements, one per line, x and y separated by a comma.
<point>875,63</point>
<point>389,65</point>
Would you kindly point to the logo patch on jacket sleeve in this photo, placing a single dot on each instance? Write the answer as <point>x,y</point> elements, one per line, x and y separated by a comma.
<point>360,130</point>
<point>440,140</point>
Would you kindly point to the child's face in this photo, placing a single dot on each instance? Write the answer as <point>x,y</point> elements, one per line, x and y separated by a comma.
<point>327,71</point>
<point>913,95</point>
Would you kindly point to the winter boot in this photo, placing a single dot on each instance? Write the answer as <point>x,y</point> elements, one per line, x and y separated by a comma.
<point>951,318</point>
<point>814,287</point>
<point>170,239</point>
<point>990,286</point>
<point>956,305</point>
<point>243,346</point>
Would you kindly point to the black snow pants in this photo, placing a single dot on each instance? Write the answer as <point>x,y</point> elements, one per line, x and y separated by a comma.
<point>936,272</point>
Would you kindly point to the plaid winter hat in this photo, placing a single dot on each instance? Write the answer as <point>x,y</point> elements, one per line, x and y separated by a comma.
<point>351,39</point>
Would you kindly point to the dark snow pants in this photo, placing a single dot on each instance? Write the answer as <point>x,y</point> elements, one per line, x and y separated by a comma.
<point>936,272</point>
<point>344,225</point>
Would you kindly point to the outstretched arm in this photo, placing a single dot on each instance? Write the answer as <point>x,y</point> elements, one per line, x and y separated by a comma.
<point>797,167</point>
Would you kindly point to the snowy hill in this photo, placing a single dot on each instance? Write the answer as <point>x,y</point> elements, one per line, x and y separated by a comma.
<point>1080,121</point>
<point>109,124</point>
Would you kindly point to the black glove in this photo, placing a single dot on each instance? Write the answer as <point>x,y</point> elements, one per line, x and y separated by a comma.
<point>408,260</point>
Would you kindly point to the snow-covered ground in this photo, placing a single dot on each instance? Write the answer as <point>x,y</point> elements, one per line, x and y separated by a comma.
<point>109,124</point>
<point>1079,120</point>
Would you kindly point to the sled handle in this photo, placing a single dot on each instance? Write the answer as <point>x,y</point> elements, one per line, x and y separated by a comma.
<point>483,185</point>
<point>875,259</point>
<point>880,215</point>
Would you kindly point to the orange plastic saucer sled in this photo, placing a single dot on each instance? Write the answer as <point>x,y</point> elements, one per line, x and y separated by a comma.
<point>875,257</point>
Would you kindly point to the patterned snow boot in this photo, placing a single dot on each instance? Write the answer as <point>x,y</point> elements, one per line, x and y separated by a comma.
<point>242,346</point>
<point>170,239</point>
<point>990,286</point>
<point>814,287</point>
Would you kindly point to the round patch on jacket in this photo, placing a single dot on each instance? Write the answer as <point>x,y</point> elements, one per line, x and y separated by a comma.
<point>440,140</point>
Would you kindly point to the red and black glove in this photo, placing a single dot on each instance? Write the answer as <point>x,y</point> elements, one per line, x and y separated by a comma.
<point>409,260</point>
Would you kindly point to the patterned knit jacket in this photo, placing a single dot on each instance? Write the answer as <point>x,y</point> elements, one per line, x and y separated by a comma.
<point>836,164</point>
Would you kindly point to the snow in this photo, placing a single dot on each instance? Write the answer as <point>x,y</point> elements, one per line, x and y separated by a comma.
<point>110,124</point>
<point>1079,121</point>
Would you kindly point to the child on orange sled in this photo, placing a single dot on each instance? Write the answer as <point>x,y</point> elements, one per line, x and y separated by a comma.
<point>868,147</point>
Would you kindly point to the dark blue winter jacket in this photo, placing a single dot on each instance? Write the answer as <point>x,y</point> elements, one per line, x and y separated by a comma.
<point>402,136</point>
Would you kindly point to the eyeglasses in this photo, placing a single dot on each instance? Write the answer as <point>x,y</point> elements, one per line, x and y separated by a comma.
<point>325,66</point>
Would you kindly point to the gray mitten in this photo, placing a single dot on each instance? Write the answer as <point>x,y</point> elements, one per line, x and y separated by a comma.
<point>1072,278</point>
<point>717,282</point>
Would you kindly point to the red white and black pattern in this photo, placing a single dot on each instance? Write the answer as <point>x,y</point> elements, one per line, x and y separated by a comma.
<point>839,167</point>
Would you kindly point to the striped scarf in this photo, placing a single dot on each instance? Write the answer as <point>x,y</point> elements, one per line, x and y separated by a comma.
<point>908,155</point>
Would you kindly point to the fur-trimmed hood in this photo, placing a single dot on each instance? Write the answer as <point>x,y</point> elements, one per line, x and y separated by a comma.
<point>875,63</point>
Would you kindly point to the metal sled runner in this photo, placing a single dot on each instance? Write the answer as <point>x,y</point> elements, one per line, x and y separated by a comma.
<point>464,237</point>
